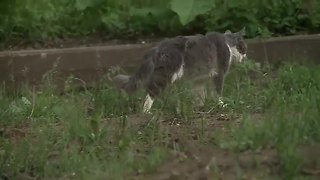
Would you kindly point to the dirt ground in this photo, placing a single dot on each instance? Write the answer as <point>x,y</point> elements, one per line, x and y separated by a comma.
<point>201,159</point>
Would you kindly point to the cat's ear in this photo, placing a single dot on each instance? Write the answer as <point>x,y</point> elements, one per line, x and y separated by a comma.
<point>228,32</point>
<point>242,32</point>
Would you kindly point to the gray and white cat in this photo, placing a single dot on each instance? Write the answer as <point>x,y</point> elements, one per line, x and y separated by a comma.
<point>193,57</point>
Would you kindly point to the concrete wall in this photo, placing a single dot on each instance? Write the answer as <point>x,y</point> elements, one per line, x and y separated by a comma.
<point>90,63</point>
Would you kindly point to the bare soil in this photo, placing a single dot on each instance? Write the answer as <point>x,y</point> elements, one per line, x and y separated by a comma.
<point>200,158</point>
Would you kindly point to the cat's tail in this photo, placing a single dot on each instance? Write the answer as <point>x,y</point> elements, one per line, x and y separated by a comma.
<point>132,83</point>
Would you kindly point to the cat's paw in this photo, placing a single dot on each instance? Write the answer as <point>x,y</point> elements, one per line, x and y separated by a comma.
<point>221,103</point>
<point>147,112</point>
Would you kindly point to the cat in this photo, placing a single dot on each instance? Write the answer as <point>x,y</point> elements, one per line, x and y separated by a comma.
<point>193,57</point>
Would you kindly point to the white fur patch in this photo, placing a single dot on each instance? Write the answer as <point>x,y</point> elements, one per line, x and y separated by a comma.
<point>221,103</point>
<point>230,51</point>
<point>235,54</point>
<point>177,75</point>
<point>147,104</point>
<point>212,73</point>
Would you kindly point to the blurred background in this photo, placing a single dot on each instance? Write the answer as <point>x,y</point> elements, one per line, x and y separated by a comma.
<point>30,22</point>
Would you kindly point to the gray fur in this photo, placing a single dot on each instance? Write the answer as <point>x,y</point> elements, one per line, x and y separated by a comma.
<point>209,56</point>
<point>160,63</point>
<point>196,57</point>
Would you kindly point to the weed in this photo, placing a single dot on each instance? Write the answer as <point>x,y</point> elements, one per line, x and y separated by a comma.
<point>100,133</point>
<point>289,119</point>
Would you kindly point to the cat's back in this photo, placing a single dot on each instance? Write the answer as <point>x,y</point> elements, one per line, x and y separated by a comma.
<point>219,40</point>
<point>199,56</point>
<point>215,37</point>
<point>200,51</point>
<point>177,43</point>
<point>168,54</point>
<point>223,50</point>
<point>199,46</point>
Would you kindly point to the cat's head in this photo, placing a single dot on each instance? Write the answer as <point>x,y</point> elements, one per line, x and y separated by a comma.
<point>237,44</point>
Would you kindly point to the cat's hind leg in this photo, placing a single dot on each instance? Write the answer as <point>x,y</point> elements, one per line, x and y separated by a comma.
<point>219,83</point>
<point>199,91</point>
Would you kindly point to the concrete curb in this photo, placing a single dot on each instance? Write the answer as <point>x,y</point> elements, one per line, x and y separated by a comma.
<point>90,63</point>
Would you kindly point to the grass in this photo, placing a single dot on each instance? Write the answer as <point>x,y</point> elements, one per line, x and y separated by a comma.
<point>101,133</point>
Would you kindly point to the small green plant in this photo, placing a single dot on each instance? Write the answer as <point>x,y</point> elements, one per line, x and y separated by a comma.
<point>100,132</point>
<point>178,100</point>
<point>289,119</point>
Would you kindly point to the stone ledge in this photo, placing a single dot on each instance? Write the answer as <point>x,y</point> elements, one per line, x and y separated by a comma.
<point>90,63</point>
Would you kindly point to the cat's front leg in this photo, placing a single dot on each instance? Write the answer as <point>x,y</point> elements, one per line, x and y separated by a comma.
<point>200,94</point>
<point>219,83</point>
